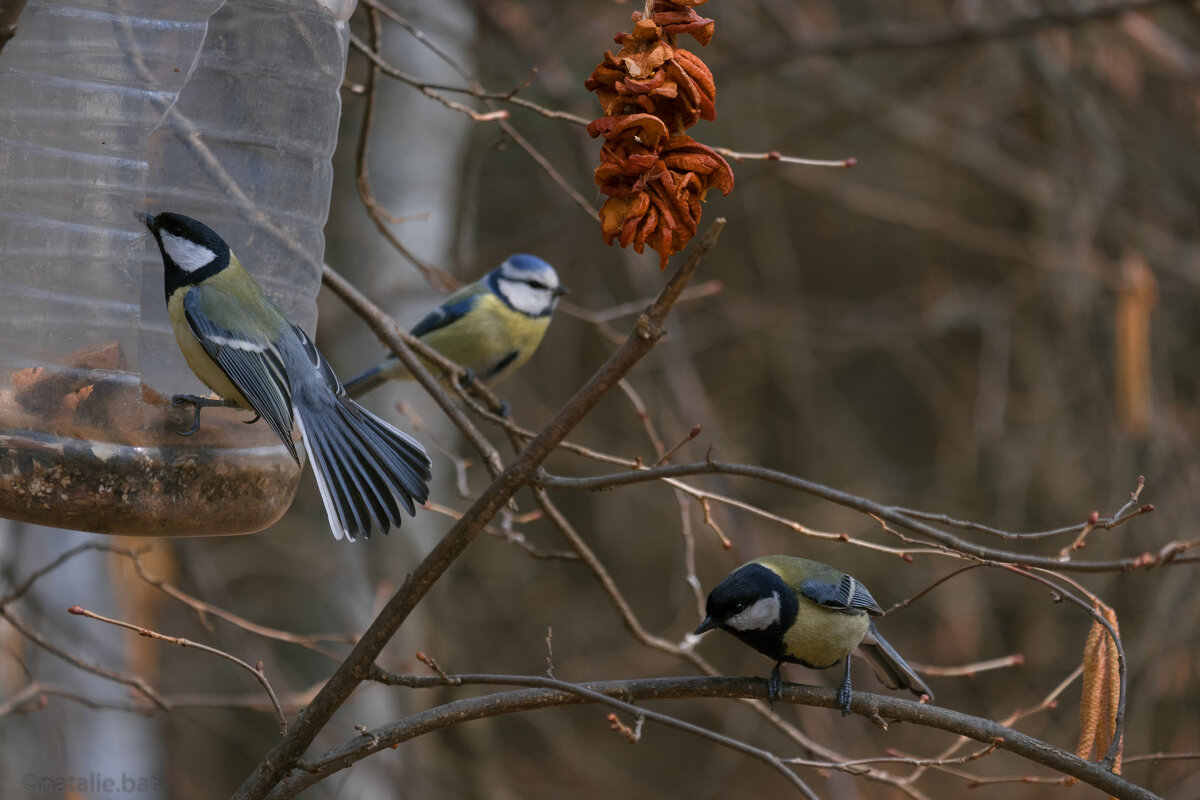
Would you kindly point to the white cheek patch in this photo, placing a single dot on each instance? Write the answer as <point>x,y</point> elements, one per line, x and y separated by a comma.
<point>186,254</point>
<point>525,298</point>
<point>763,614</point>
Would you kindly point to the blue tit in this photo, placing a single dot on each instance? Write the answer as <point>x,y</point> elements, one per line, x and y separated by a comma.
<point>242,347</point>
<point>803,612</point>
<point>490,327</point>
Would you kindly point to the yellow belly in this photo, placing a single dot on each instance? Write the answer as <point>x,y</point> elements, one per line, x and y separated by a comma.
<point>205,368</point>
<point>821,638</point>
<point>483,338</point>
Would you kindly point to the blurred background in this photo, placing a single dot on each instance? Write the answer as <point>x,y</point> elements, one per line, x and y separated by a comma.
<point>990,316</point>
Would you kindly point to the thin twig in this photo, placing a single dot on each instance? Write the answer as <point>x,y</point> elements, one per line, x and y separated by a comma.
<point>437,278</point>
<point>775,155</point>
<point>423,88</point>
<point>42,571</point>
<point>258,672</point>
<point>203,609</point>
<point>970,670</point>
<point>1169,554</point>
<point>135,682</point>
<point>1123,515</point>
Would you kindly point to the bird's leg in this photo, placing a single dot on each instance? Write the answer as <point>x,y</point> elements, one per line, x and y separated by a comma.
<point>844,691</point>
<point>198,403</point>
<point>774,685</point>
<point>467,378</point>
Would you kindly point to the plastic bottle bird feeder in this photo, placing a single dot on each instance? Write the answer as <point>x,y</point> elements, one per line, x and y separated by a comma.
<point>224,111</point>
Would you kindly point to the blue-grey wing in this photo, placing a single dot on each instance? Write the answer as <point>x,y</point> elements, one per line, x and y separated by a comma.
<point>252,363</point>
<point>318,362</point>
<point>846,595</point>
<point>450,312</point>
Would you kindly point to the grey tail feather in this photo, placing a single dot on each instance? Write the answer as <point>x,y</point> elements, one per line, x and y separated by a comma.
<point>892,670</point>
<point>362,466</point>
<point>374,377</point>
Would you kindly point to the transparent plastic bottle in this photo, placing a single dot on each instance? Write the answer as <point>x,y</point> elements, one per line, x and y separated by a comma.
<point>224,111</point>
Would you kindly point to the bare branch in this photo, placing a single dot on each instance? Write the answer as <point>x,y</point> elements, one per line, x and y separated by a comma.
<point>135,682</point>
<point>437,278</point>
<point>40,572</point>
<point>892,514</point>
<point>552,693</point>
<point>258,672</point>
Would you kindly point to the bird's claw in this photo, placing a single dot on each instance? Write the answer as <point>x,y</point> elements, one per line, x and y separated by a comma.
<point>774,687</point>
<point>844,693</point>
<point>198,403</point>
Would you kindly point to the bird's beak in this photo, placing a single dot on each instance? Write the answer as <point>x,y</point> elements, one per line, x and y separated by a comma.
<point>559,291</point>
<point>145,219</point>
<point>705,626</point>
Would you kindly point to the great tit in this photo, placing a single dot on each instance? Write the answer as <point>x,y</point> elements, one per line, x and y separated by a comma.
<point>490,327</point>
<point>804,612</point>
<point>241,346</point>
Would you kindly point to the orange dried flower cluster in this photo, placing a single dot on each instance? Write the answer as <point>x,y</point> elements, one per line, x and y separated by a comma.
<point>656,176</point>
<point>652,76</point>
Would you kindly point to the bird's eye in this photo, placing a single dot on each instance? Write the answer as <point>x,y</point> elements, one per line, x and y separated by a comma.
<point>537,284</point>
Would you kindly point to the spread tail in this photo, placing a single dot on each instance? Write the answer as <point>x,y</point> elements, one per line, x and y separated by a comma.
<point>362,465</point>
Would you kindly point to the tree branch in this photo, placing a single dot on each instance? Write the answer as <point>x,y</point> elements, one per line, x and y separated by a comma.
<point>891,514</point>
<point>868,705</point>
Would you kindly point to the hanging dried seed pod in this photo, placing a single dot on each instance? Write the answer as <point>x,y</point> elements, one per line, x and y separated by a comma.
<point>679,16</point>
<point>654,175</point>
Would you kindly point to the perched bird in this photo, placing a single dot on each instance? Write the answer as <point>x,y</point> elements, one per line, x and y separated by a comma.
<point>242,347</point>
<point>490,327</point>
<point>803,612</point>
